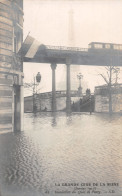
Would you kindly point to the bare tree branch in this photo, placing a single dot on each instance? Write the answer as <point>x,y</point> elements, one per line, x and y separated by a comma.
<point>107,68</point>
<point>108,75</point>
<point>104,78</point>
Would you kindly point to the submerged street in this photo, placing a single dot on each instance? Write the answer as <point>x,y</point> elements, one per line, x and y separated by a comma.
<point>56,149</point>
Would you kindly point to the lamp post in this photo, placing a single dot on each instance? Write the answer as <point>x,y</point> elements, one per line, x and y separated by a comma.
<point>90,99</point>
<point>36,81</point>
<point>79,76</point>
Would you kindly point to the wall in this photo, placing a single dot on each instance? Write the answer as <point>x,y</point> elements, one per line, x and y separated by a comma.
<point>44,101</point>
<point>102,99</point>
<point>11,33</point>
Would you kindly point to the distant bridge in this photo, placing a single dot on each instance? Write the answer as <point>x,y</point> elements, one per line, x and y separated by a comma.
<point>42,101</point>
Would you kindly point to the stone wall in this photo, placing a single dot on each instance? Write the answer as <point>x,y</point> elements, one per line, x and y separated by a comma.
<point>102,99</point>
<point>44,101</point>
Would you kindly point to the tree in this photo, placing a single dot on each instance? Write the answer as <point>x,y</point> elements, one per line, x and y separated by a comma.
<point>111,78</point>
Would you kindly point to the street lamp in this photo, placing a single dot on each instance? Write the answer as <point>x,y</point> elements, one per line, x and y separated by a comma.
<point>38,77</point>
<point>90,99</point>
<point>36,81</point>
<point>79,76</point>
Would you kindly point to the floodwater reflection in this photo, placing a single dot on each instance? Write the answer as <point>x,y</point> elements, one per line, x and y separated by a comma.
<point>61,148</point>
<point>54,122</point>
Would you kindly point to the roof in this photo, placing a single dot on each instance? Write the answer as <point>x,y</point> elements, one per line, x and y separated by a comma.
<point>102,43</point>
<point>105,85</point>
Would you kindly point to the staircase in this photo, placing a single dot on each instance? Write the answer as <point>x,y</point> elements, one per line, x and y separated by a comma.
<point>86,104</point>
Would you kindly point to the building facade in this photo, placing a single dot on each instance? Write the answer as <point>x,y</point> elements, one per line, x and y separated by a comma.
<point>102,98</point>
<point>11,65</point>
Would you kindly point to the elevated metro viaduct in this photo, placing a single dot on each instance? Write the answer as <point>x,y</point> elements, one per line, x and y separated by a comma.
<point>11,63</point>
<point>54,55</point>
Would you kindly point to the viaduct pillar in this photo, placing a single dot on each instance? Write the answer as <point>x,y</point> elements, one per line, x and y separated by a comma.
<point>53,67</point>
<point>11,65</point>
<point>68,94</point>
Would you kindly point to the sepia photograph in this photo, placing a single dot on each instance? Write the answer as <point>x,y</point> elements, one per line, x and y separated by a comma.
<point>60,97</point>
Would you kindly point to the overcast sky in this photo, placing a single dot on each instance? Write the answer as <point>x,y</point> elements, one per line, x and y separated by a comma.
<point>48,22</point>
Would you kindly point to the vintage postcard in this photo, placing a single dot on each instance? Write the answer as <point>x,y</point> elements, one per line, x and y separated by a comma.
<point>60,97</point>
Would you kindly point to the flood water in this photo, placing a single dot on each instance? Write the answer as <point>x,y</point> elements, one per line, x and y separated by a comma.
<point>57,149</point>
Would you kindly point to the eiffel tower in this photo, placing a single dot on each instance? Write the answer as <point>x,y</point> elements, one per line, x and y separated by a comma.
<point>71,43</point>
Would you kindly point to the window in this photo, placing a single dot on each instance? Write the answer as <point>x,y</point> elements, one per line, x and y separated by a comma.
<point>14,41</point>
<point>120,47</point>
<point>89,45</point>
<point>116,47</point>
<point>98,46</point>
<point>17,39</point>
<point>107,46</point>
